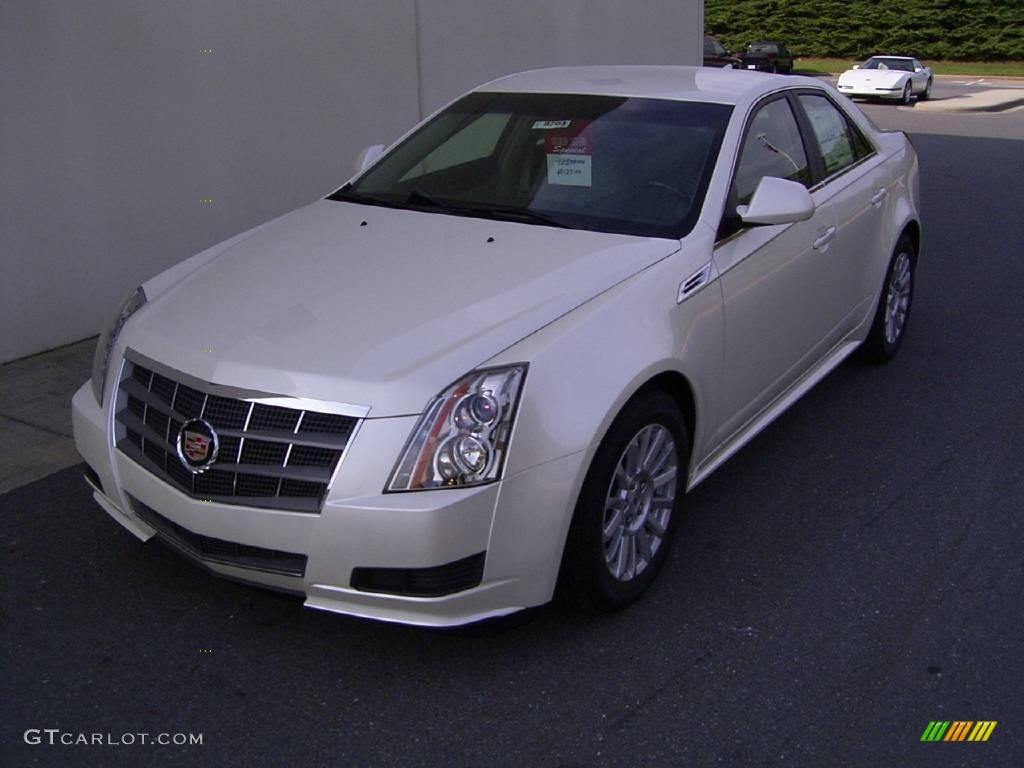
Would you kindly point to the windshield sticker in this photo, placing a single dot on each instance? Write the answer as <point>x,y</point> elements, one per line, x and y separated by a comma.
<point>547,125</point>
<point>559,144</point>
<point>570,170</point>
<point>570,156</point>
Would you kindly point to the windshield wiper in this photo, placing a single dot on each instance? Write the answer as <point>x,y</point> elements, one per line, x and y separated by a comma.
<point>345,196</point>
<point>517,214</point>
<point>420,198</point>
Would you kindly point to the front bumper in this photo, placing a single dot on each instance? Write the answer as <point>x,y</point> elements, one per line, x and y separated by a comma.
<point>864,92</point>
<point>518,524</point>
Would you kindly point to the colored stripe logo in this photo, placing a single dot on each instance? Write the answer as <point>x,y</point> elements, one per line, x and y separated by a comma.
<point>958,730</point>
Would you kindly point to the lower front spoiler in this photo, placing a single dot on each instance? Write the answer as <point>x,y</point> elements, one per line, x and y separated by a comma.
<point>146,528</point>
<point>465,607</point>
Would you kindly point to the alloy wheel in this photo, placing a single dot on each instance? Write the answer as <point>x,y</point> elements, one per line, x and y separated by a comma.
<point>897,298</point>
<point>639,502</point>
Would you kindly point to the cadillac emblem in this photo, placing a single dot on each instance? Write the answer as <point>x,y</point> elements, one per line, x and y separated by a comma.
<point>197,445</point>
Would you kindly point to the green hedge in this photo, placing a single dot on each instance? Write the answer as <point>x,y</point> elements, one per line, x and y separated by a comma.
<point>967,30</point>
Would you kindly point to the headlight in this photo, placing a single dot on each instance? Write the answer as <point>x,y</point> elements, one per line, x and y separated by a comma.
<point>462,438</point>
<point>108,336</point>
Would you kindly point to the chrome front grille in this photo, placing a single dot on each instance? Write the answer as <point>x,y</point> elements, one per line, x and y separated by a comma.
<point>270,456</point>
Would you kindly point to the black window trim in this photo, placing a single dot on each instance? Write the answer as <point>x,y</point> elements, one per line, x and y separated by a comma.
<point>729,222</point>
<point>821,176</point>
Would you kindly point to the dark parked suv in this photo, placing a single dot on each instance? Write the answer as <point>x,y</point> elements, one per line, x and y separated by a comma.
<point>767,56</point>
<point>716,54</point>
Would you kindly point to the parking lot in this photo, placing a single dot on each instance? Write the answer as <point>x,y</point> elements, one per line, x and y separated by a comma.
<point>854,573</point>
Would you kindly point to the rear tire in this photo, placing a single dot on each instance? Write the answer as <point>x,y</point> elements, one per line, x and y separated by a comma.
<point>890,324</point>
<point>629,507</point>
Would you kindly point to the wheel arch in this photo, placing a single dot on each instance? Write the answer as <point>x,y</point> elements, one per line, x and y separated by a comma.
<point>667,378</point>
<point>912,229</point>
<point>678,387</point>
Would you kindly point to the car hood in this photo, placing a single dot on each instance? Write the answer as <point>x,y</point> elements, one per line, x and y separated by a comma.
<point>375,306</point>
<point>877,78</point>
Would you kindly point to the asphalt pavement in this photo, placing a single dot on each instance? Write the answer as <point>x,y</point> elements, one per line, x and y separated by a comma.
<point>853,574</point>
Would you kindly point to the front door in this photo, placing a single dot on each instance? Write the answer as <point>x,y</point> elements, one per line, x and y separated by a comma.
<point>777,317</point>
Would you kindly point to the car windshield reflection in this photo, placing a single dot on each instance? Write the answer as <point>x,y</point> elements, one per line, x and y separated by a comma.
<point>604,163</point>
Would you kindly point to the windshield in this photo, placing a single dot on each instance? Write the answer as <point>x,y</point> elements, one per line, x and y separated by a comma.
<point>880,62</point>
<point>609,164</point>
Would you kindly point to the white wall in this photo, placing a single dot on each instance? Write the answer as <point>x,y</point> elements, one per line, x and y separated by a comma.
<point>466,42</point>
<point>116,124</point>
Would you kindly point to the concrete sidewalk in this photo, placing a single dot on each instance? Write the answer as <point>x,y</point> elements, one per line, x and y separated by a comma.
<point>35,412</point>
<point>995,100</point>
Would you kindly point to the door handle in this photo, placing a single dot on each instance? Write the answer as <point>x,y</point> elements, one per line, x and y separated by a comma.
<point>824,238</point>
<point>879,196</point>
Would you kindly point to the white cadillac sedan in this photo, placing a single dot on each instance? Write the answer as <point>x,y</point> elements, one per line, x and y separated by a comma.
<point>888,77</point>
<point>494,361</point>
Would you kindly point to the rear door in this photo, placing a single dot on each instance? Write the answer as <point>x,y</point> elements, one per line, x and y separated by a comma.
<point>856,184</point>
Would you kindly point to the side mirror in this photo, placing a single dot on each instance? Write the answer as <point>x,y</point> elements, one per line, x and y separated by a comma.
<point>856,66</point>
<point>919,69</point>
<point>368,157</point>
<point>777,201</point>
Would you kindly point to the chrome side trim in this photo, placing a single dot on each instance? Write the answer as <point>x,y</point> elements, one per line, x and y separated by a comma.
<point>845,170</point>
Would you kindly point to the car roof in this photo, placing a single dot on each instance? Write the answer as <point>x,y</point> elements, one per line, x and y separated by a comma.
<point>708,84</point>
<point>891,56</point>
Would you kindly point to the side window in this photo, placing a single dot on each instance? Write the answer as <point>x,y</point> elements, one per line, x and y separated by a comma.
<point>840,143</point>
<point>772,148</point>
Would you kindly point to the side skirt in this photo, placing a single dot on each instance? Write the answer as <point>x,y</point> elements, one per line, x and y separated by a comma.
<point>772,411</point>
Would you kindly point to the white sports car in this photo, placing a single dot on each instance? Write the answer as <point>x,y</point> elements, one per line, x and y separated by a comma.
<point>888,77</point>
<point>496,359</point>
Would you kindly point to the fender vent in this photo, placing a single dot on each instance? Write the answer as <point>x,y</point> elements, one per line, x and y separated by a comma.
<point>695,282</point>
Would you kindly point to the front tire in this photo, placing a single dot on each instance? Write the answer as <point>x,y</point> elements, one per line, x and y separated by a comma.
<point>927,93</point>
<point>908,94</point>
<point>629,506</point>
<point>890,324</point>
